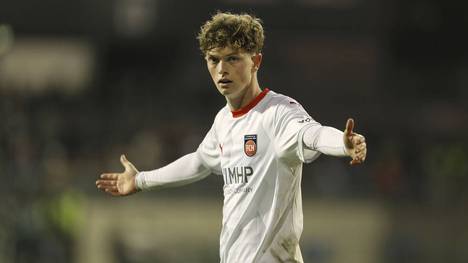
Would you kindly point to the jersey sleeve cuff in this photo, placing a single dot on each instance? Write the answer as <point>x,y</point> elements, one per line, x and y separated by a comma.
<point>140,181</point>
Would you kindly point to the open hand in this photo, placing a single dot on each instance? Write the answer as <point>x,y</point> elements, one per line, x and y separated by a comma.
<point>355,143</point>
<point>119,184</point>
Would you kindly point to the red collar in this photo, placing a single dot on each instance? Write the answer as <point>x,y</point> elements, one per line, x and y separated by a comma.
<point>248,107</point>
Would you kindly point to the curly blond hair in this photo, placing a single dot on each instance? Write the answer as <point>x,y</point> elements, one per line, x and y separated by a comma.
<point>238,31</point>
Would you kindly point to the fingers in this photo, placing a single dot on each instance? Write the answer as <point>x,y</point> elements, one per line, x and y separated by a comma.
<point>106,183</point>
<point>349,127</point>
<point>108,186</point>
<point>361,147</point>
<point>355,143</point>
<point>111,176</point>
<point>359,154</point>
<point>359,150</point>
<point>357,139</point>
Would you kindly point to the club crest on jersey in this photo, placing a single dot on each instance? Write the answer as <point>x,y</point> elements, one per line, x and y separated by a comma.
<point>250,144</point>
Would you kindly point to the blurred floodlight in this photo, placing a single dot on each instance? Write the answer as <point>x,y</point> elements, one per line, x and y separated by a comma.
<point>35,65</point>
<point>6,38</point>
<point>135,18</point>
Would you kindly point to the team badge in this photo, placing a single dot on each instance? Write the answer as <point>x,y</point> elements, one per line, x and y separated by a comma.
<point>250,144</point>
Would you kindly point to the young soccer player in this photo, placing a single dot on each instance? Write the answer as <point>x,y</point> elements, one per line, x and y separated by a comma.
<point>258,143</point>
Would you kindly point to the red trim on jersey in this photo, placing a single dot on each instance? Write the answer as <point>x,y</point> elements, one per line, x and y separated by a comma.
<point>248,107</point>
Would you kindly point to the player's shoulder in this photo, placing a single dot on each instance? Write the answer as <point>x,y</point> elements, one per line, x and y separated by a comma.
<point>283,101</point>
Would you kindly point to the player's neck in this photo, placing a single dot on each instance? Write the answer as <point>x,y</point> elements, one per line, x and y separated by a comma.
<point>246,96</point>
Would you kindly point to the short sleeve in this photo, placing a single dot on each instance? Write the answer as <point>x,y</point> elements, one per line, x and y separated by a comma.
<point>291,121</point>
<point>209,151</point>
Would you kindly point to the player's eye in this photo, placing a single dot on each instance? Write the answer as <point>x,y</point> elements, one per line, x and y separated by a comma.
<point>232,58</point>
<point>213,60</point>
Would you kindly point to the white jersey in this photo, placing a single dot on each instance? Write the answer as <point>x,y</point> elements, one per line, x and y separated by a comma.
<point>258,152</point>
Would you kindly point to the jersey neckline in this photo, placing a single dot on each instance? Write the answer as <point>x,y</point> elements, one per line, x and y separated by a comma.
<point>238,113</point>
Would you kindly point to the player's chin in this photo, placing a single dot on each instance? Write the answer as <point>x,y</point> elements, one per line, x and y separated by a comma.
<point>224,90</point>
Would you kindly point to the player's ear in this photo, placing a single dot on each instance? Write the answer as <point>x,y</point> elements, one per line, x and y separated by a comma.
<point>257,60</point>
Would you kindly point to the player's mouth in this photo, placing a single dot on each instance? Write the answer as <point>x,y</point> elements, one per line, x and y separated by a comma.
<point>224,82</point>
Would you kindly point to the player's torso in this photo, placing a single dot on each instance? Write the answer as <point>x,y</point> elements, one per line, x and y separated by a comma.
<point>257,186</point>
<point>246,148</point>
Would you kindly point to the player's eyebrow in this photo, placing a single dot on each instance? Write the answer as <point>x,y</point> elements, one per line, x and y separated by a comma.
<point>235,53</point>
<point>232,54</point>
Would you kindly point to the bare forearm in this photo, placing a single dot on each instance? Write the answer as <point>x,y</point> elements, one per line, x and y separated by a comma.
<point>184,170</point>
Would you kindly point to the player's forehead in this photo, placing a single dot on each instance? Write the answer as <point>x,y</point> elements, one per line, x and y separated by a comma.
<point>225,51</point>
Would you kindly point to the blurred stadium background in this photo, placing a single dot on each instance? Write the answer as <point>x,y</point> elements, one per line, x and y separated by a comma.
<point>83,81</point>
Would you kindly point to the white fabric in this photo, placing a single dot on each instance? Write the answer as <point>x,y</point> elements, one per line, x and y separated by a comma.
<point>184,170</point>
<point>324,139</point>
<point>262,212</point>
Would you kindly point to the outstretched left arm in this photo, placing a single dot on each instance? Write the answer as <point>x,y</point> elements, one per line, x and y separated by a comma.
<point>331,141</point>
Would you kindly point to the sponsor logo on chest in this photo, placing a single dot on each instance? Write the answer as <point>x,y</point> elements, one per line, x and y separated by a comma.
<point>250,144</point>
<point>237,175</point>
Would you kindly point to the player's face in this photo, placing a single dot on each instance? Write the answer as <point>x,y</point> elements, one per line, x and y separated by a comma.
<point>232,70</point>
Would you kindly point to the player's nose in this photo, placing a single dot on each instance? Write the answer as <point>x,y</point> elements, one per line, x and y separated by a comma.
<point>222,68</point>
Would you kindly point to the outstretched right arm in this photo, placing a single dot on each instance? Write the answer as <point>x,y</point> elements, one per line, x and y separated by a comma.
<point>184,170</point>
<point>187,169</point>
